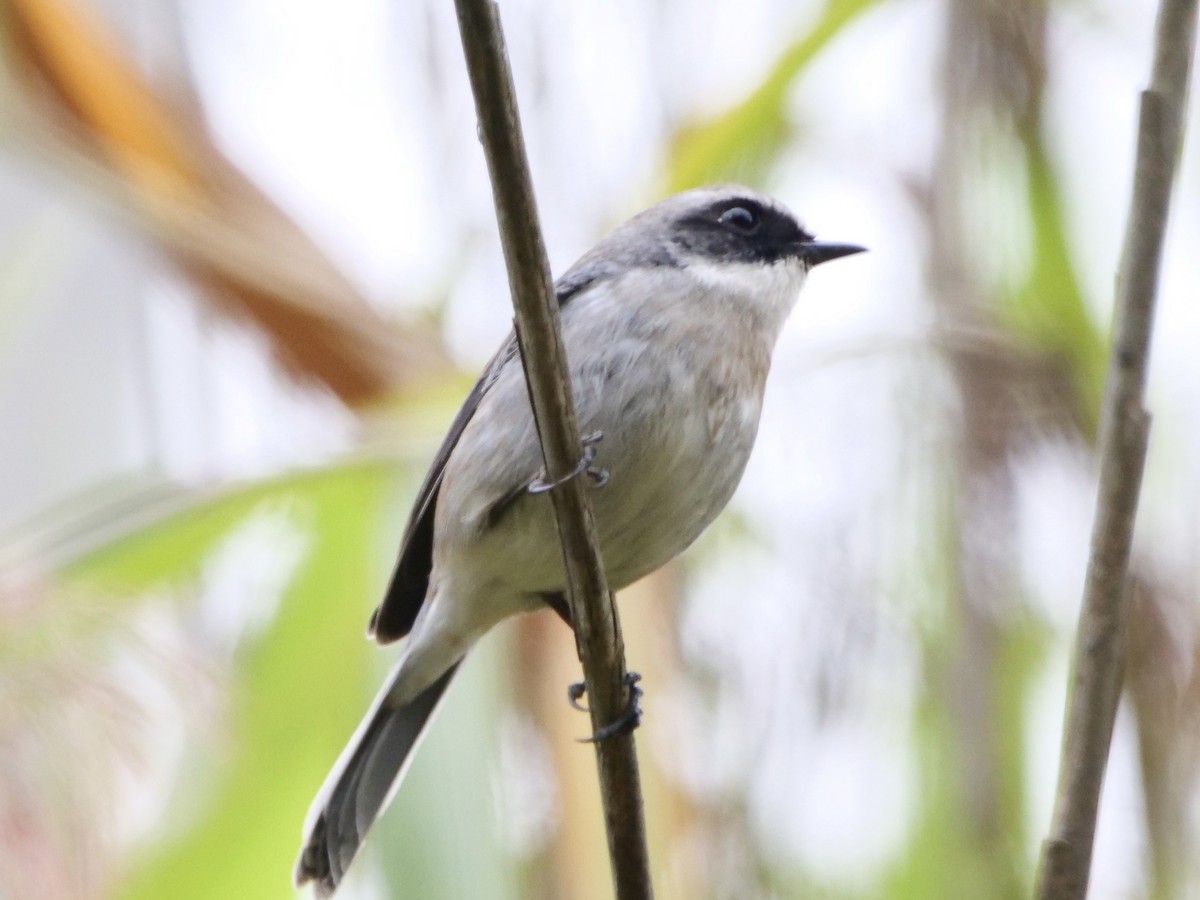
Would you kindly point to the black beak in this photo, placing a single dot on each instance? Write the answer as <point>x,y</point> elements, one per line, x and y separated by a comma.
<point>816,252</point>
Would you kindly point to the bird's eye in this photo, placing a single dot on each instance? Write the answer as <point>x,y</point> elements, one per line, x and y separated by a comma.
<point>740,219</point>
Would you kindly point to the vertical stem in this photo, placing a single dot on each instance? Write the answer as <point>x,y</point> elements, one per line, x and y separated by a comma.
<point>539,335</point>
<point>1101,640</point>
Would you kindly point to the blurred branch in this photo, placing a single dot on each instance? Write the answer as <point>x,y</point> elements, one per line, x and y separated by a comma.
<point>93,111</point>
<point>989,83</point>
<point>539,334</point>
<point>1101,641</point>
<point>1162,681</point>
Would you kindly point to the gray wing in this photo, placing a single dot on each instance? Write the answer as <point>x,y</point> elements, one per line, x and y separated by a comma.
<point>394,617</point>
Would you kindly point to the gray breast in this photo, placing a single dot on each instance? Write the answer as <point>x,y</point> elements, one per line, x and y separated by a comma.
<point>678,409</point>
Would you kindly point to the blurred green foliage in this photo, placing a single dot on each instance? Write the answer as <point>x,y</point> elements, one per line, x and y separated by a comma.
<point>295,685</point>
<point>742,143</point>
<point>1047,308</point>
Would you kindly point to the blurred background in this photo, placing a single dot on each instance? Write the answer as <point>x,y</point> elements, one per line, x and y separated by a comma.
<point>248,270</point>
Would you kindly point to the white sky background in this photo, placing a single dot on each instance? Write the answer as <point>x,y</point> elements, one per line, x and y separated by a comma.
<point>359,122</point>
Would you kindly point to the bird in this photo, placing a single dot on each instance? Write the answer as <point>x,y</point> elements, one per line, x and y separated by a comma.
<point>668,324</point>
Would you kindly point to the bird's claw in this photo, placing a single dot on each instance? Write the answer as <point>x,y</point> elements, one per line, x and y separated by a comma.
<point>598,475</point>
<point>575,690</point>
<point>629,718</point>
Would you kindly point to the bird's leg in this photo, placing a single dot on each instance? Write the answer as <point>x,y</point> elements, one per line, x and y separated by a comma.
<point>629,718</point>
<point>597,474</point>
<point>557,601</point>
<point>575,690</point>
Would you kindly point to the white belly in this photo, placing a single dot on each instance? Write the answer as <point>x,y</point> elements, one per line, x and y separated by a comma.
<point>665,491</point>
<point>678,417</point>
<point>673,458</point>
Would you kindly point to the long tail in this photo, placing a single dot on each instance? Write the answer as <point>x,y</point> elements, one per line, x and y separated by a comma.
<point>361,785</point>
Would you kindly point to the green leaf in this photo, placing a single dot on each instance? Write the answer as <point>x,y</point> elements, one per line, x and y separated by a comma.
<point>1048,308</point>
<point>967,838</point>
<point>738,144</point>
<point>173,547</point>
<point>296,687</point>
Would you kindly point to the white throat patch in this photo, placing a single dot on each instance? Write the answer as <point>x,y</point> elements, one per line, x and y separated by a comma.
<point>771,288</point>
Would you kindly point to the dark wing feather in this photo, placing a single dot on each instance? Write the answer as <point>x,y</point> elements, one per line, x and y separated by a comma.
<point>395,615</point>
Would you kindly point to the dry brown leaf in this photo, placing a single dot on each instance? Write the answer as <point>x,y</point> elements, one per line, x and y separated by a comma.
<point>251,260</point>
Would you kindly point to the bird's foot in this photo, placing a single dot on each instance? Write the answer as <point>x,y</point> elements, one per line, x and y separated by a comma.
<point>629,718</point>
<point>598,475</point>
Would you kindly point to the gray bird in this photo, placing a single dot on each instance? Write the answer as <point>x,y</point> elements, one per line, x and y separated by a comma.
<point>668,324</point>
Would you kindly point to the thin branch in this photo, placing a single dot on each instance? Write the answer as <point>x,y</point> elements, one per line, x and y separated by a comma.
<point>1101,639</point>
<point>597,629</point>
